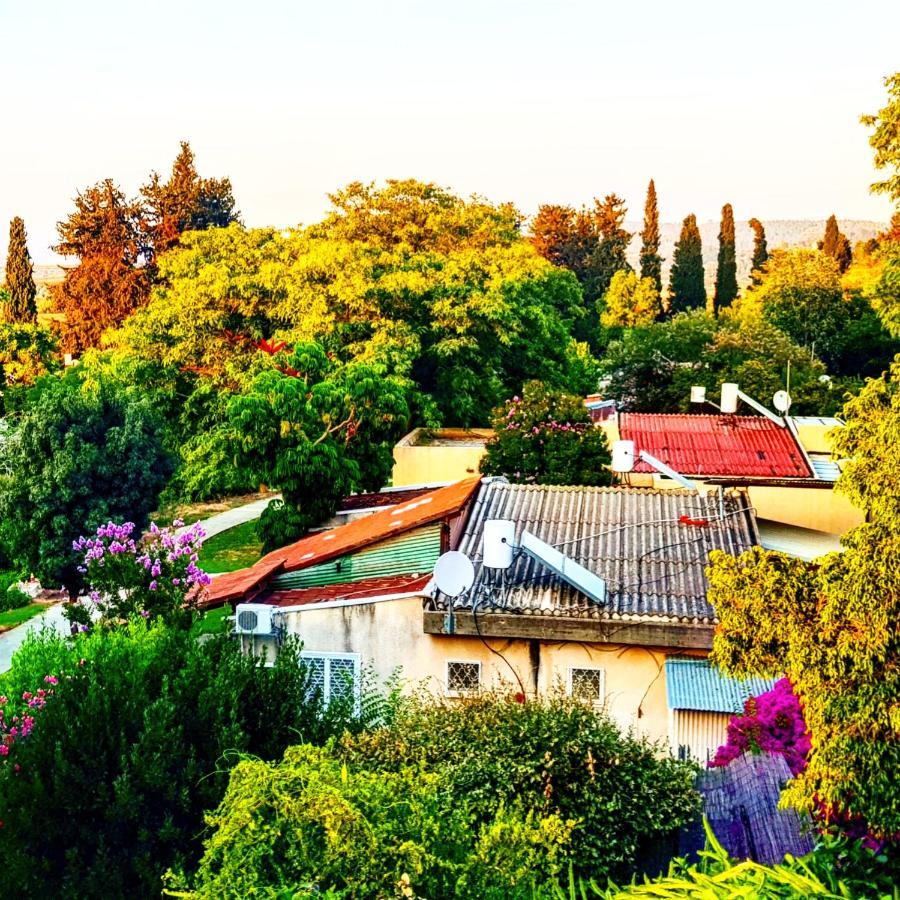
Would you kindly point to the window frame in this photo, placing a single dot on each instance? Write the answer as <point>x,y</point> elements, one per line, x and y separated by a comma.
<point>465,692</point>
<point>327,657</point>
<point>570,670</point>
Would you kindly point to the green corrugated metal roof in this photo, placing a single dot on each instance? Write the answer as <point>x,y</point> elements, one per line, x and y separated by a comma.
<point>414,552</point>
<point>695,684</point>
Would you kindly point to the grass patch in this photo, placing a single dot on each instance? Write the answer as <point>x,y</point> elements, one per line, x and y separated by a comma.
<point>214,622</point>
<point>13,617</point>
<point>236,548</point>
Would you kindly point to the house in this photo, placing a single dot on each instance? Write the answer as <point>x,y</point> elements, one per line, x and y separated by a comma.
<point>362,595</point>
<point>786,469</point>
<point>428,455</point>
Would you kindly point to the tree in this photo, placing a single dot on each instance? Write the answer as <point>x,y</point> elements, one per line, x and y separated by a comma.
<point>836,245</point>
<point>186,202</point>
<point>651,261</point>
<point>885,139</point>
<point>834,627</point>
<point>609,256</point>
<point>27,352</point>
<point>546,437</point>
<point>111,279</point>
<point>19,277</point>
<point>885,296</point>
<point>726,271</point>
<point>631,302</point>
<point>317,432</point>
<point>78,457</point>
<point>760,250</point>
<point>687,289</point>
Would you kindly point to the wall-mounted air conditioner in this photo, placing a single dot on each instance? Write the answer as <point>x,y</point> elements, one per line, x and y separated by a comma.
<point>253,618</point>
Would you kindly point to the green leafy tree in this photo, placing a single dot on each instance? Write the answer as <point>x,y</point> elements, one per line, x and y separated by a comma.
<point>885,297</point>
<point>760,250</point>
<point>836,245</point>
<point>631,302</point>
<point>21,306</point>
<point>546,437</point>
<point>651,261</point>
<point>832,627</point>
<point>726,271</point>
<point>687,289</point>
<point>885,139</point>
<point>317,432</point>
<point>76,458</point>
<point>27,352</point>
<point>186,202</point>
<point>609,256</point>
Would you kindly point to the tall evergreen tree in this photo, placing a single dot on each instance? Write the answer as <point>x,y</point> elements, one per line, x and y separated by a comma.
<point>609,255</point>
<point>836,245</point>
<point>651,261</point>
<point>726,271</point>
<point>687,289</point>
<point>760,250</point>
<point>19,277</point>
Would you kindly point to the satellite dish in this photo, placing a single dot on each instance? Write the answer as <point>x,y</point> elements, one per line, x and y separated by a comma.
<point>782,402</point>
<point>453,573</point>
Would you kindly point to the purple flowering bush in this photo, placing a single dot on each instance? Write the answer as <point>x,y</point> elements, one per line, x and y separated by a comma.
<point>154,575</point>
<point>772,723</point>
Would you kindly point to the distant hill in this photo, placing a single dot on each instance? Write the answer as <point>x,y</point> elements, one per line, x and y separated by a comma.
<point>44,273</point>
<point>779,233</point>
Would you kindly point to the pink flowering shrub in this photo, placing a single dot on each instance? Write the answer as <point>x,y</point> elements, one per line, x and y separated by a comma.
<point>17,720</point>
<point>154,575</point>
<point>772,723</point>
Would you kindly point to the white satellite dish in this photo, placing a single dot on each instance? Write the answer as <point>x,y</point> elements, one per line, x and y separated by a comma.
<point>453,573</point>
<point>782,402</point>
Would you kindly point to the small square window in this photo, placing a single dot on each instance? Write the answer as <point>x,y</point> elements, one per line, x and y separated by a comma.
<point>586,684</point>
<point>334,676</point>
<point>463,677</point>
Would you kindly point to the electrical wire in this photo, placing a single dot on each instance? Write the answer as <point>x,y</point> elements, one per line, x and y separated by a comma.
<point>496,652</point>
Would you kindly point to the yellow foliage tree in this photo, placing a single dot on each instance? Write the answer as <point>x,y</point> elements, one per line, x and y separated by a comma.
<point>631,302</point>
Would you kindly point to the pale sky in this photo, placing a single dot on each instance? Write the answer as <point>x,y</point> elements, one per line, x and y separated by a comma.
<point>756,104</point>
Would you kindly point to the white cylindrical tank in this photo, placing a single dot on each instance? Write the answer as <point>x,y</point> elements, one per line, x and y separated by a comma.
<point>698,393</point>
<point>729,397</point>
<point>499,542</point>
<point>622,456</point>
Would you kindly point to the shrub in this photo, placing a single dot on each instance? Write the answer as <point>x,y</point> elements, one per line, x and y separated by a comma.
<point>10,596</point>
<point>109,788</point>
<point>555,756</point>
<point>312,824</point>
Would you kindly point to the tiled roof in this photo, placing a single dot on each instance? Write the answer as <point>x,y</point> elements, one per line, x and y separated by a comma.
<point>380,498</point>
<point>638,540</point>
<point>741,446</point>
<point>695,684</point>
<point>369,589</point>
<point>324,545</point>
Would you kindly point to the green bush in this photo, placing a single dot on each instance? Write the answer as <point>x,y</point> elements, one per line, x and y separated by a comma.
<point>552,757</point>
<point>110,788</point>
<point>314,825</point>
<point>11,597</point>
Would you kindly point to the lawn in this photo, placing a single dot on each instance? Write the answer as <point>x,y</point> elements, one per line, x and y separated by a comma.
<point>13,617</point>
<point>195,512</point>
<point>233,549</point>
<point>214,622</point>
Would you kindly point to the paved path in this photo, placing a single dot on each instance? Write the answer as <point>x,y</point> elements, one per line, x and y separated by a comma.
<point>224,520</point>
<point>10,641</point>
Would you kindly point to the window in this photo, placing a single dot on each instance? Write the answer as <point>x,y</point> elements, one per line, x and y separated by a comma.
<point>463,677</point>
<point>334,675</point>
<point>587,684</point>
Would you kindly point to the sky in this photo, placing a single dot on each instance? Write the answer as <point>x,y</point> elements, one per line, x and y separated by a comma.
<point>535,101</point>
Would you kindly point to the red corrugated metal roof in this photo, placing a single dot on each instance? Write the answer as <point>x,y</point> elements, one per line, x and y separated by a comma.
<point>740,446</point>
<point>369,589</point>
<point>324,545</point>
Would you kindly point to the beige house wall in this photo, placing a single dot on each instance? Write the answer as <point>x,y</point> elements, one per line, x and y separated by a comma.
<point>444,459</point>
<point>388,635</point>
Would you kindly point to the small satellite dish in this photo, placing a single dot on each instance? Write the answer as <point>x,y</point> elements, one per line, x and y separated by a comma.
<point>782,402</point>
<point>453,573</point>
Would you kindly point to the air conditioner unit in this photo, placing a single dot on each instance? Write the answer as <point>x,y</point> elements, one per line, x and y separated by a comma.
<point>253,618</point>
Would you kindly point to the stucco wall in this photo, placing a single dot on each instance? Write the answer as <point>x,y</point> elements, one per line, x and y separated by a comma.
<point>445,459</point>
<point>389,637</point>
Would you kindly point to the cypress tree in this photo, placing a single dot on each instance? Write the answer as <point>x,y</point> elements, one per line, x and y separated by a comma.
<point>836,245</point>
<point>760,250</point>
<point>651,261</point>
<point>686,286</point>
<point>726,272</point>
<point>19,276</point>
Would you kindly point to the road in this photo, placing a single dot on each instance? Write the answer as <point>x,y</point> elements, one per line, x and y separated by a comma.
<point>10,641</point>
<point>224,520</point>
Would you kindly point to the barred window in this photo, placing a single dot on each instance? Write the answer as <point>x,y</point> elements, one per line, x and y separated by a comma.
<point>586,684</point>
<point>463,677</point>
<point>334,676</point>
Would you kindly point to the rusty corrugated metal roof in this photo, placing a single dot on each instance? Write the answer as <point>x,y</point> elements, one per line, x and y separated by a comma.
<point>369,589</point>
<point>749,446</point>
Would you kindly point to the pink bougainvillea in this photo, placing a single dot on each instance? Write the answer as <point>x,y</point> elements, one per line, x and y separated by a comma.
<point>772,723</point>
<point>17,720</point>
